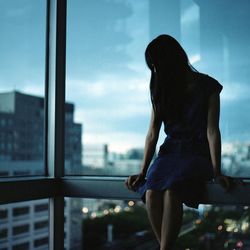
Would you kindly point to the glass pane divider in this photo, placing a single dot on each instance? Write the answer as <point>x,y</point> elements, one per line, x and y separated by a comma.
<point>55,108</point>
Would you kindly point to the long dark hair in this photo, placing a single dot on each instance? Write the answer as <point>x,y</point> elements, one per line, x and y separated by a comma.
<point>168,83</point>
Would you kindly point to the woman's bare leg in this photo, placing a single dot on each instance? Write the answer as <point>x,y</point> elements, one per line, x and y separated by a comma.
<point>171,219</point>
<point>154,204</point>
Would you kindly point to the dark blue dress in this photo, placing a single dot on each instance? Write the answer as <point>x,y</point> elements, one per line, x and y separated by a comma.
<point>183,163</point>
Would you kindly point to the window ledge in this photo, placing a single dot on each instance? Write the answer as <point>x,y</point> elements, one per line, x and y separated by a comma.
<point>30,188</point>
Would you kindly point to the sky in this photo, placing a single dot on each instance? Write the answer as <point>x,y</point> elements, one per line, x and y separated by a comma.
<point>106,75</point>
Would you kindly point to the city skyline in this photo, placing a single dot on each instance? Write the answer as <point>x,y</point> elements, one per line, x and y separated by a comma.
<point>110,90</point>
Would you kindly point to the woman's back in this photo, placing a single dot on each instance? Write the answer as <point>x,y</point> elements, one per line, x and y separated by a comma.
<point>192,122</point>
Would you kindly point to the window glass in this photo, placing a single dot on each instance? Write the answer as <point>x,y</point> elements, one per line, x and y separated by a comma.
<point>41,242</point>
<point>22,246</point>
<point>121,224</point>
<point>25,225</point>
<point>41,225</point>
<point>41,207</point>
<point>3,233</point>
<point>19,211</point>
<point>107,90</point>
<point>20,229</point>
<point>107,82</point>
<point>22,70</point>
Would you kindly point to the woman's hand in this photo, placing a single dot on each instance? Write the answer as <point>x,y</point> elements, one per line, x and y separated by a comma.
<point>227,182</point>
<point>134,180</point>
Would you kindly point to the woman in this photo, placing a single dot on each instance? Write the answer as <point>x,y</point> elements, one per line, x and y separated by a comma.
<point>188,104</point>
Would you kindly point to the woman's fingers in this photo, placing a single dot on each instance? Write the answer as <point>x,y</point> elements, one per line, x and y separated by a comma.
<point>129,181</point>
<point>136,182</point>
<point>132,181</point>
<point>126,183</point>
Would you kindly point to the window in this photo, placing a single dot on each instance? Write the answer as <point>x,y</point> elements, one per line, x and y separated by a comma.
<point>3,233</point>
<point>23,246</point>
<point>20,229</point>
<point>21,211</point>
<point>23,225</point>
<point>41,207</point>
<point>115,224</point>
<point>22,68</point>
<point>106,65</point>
<point>41,242</point>
<point>218,227</point>
<point>107,115</point>
<point>3,213</point>
<point>41,225</point>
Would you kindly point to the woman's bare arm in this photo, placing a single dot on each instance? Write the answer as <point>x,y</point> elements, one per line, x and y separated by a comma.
<point>213,132</point>
<point>149,150</point>
<point>151,141</point>
<point>214,140</point>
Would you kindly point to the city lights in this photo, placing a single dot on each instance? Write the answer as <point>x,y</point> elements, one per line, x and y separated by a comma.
<point>105,211</point>
<point>131,203</point>
<point>117,209</point>
<point>85,210</point>
<point>127,209</point>
<point>93,214</point>
<point>198,221</point>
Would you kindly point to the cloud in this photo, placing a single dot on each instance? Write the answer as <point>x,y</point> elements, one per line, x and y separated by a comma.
<point>26,87</point>
<point>112,109</point>
<point>235,91</point>
<point>34,89</point>
<point>109,96</point>
<point>194,58</point>
<point>105,85</point>
<point>18,11</point>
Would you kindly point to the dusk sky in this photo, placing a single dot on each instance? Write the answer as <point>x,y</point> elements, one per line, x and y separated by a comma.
<point>107,78</point>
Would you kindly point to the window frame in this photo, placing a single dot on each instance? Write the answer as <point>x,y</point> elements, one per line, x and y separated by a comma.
<point>54,185</point>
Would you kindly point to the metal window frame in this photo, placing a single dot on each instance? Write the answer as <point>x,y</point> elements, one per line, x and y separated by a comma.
<point>55,113</point>
<point>19,189</point>
<point>54,185</point>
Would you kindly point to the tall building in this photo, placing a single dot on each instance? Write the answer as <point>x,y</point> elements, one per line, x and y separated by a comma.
<point>25,225</point>
<point>21,153</point>
<point>22,129</point>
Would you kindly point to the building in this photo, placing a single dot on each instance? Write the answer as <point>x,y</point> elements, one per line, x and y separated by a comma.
<point>22,129</point>
<point>24,225</point>
<point>95,156</point>
<point>21,154</point>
